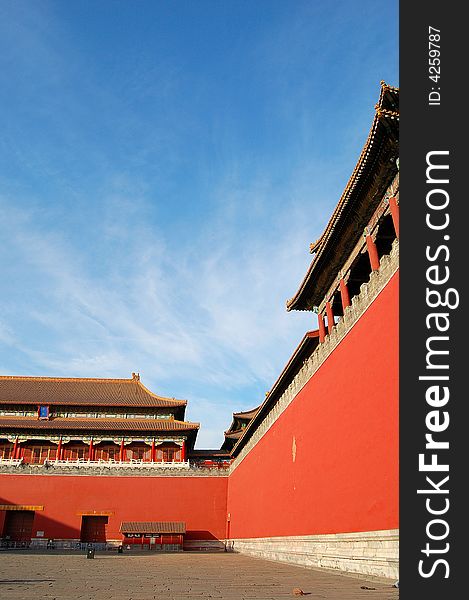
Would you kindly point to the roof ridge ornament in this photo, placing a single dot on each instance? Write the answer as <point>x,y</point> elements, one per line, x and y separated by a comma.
<point>385,112</point>
<point>386,86</point>
<point>314,246</point>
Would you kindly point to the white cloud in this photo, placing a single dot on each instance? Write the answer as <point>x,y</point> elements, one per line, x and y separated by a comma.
<point>213,320</point>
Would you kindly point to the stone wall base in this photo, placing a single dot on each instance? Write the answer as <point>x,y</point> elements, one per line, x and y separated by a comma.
<point>75,544</point>
<point>368,553</point>
<point>204,545</point>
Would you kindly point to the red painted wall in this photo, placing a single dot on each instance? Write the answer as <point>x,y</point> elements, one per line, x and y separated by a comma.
<point>344,424</point>
<point>328,465</point>
<point>198,501</point>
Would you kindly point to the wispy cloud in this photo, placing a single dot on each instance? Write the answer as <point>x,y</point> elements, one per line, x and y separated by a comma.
<point>212,319</point>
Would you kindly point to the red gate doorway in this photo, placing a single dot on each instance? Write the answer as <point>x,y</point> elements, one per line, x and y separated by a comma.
<point>18,526</point>
<point>93,529</point>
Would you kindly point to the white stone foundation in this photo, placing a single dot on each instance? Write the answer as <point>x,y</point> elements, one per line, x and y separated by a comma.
<point>204,545</point>
<point>374,553</point>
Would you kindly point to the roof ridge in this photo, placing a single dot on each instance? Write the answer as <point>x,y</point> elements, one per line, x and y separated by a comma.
<point>100,381</point>
<point>42,378</point>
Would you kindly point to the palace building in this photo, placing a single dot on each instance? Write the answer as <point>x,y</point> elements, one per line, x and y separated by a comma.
<point>310,476</point>
<point>90,428</point>
<point>116,422</point>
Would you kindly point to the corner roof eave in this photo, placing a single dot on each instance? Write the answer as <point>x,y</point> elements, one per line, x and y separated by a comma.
<point>240,416</point>
<point>233,435</point>
<point>385,111</point>
<point>247,414</point>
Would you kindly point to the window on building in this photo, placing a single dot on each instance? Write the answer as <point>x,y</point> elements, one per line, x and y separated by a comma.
<point>106,452</point>
<point>76,452</point>
<point>138,452</point>
<point>168,453</point>
<point>37,453</point>
<point>6,450</point>
<point>141,453</point>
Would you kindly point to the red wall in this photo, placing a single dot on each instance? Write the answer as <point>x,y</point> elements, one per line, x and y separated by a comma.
<point>343,477</point>
<point>345,426</point>
<point>198,501</point>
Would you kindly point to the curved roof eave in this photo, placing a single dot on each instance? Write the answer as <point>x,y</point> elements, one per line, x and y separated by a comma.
<point>384,109</point>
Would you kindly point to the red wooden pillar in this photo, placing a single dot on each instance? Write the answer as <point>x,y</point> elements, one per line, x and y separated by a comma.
<point>58,456</point>
<point>183,451</point>
<point>330,317</point>
<point>344,295</point>
<point>90,451</point>
<point>153,451</point>
<point>394,207</point>
<point>15,449</point>
<point>322,328</point>
<point>372,252</point>
<point>121,453</point>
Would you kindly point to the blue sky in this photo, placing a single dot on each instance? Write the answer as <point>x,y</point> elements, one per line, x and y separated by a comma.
<point>164,166</point>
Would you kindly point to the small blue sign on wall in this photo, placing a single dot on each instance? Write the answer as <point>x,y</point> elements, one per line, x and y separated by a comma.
<point>43,412</point>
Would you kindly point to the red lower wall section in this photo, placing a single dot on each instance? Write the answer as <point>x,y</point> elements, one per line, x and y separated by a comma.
<point>329,464</point>
<point>198,501</point>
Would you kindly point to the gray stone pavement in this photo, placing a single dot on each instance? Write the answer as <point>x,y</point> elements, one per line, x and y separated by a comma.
<point>179,576</point>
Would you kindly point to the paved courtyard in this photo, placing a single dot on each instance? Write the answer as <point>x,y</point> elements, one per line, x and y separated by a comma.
<point>34,576</point>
